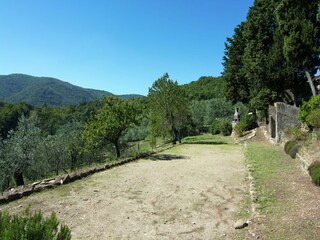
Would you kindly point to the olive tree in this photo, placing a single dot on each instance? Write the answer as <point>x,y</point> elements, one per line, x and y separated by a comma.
<point>22,148</point>
<point>111,122</point>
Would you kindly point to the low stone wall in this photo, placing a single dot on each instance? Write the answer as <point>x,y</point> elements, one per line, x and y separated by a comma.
<point>303,162</point>
<point>26,190</point>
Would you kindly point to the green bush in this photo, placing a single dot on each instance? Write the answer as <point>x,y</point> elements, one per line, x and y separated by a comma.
<point>308,107</point>
<point>246,123</point>
<point>221,126</point>
<point>292,148</point>
<point>295,134</point>
<point>226,128</point>
<point>239,129</point>
<point>215,127</point>
<point>313,119</point>
<point>314,171</point>
<point>28,226</point>
<point>288,146</point>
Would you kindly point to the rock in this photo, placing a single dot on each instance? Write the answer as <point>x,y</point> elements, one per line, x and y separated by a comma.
<point>241,224</point>
<point>58,181</point>
<point>66,179</point>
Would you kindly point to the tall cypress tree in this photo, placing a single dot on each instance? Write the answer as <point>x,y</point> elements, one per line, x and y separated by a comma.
<point>271,51</point>
<point>299,28</point>
<point>259,33</point>
<point>236,83</point>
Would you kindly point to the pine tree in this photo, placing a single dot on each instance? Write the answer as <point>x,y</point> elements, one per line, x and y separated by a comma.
<point>168,108</point>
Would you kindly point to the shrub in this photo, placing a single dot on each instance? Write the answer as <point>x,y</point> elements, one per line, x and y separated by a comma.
<point>295,134</point>
<point>30,226</point>
<point>292,148</point>
<point>226,128</point>
<point>313,119</point>
<point>246,123</point>
<point>215,127</point>
<point>308,107</point>
<point>221,126</point>
<point>314,172</point>
<point>289,145</point>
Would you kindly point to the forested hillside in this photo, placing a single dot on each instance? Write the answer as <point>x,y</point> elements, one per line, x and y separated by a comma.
<point>17,88</point>
<point>205,88</point>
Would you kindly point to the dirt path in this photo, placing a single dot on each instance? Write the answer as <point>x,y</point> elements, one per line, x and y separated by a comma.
<point>188,192</point>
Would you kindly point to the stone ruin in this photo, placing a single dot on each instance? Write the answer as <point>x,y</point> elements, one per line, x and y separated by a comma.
<point>282,116</point>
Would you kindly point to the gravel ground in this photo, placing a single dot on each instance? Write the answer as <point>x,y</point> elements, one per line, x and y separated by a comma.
<point>188,192</point>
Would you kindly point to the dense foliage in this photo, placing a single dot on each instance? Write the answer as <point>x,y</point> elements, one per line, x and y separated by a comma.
<point>205,88</point>
<point>310,112</point>
<point>168,108</point>
<point>111,122</point>
<point>221,126</point>
<point>9,115</point>
<point>246,123</point>
<point>270,52</point>
<point>32,226</point>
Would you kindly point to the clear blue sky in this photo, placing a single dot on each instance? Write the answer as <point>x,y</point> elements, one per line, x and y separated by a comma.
<point>121,46</point>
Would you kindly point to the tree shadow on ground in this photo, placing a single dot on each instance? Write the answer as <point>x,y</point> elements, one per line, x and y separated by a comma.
<point>166,157</point>
<point>206,142</point>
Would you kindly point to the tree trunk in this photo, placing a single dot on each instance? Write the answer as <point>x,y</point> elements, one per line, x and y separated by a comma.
<point>254,114</point>
<point>266,113</point>
<point>174,136</point>
<point>116,145</point>
<point>74,158</point>
<point>58,167</point>
<point>18,178</point>
<point>313,88</point>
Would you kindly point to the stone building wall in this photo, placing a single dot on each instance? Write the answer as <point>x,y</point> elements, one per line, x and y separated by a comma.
<point>282,116</point>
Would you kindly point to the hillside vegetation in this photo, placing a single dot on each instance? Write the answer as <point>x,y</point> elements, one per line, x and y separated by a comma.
<point>205,88</point>
<point>17,88</point>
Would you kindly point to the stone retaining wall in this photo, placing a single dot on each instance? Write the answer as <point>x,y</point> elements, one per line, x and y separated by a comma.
<point>282,116</point>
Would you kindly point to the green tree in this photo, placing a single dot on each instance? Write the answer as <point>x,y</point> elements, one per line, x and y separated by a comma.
<point>111,122</point>
<point>22,148</point>
<point>218,108</point>
<point>73,131</point>
<point>299,28</point>
<point>5,173</point>
<point>262,101</point>
<point>198,110</point>
<point>259,32</point>
<point>55,152</point>
<point>237,88</point>
<point>168,108</point>
<point>62,150</point>
<point>205,88</point>
<point>10,114</point>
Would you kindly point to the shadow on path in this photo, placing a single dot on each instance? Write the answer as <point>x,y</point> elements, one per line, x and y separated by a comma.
<point>166,157</point>
<point>207,143</point>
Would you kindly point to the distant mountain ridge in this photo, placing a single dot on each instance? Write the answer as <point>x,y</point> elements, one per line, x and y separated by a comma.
<point>16,88</point>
